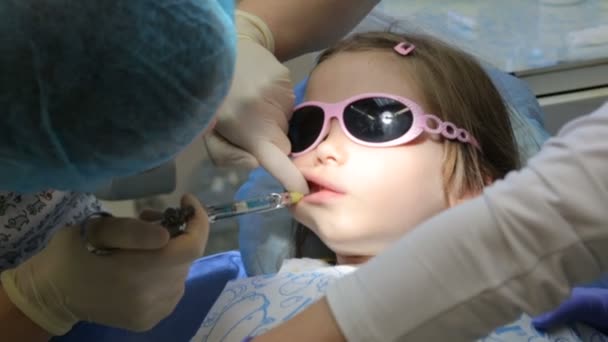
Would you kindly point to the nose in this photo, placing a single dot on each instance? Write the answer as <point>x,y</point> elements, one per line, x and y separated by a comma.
<point>332,148</point>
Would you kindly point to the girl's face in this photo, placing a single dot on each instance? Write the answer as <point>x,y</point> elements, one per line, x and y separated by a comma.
<point>364,198</point>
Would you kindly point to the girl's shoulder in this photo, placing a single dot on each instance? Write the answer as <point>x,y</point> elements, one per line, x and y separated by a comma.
<point>249,306</point>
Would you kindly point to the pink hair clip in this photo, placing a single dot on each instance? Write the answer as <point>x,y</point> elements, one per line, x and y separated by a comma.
<point>404,48</point>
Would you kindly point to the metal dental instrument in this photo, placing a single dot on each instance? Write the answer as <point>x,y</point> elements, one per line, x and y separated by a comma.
<point>174,219</point>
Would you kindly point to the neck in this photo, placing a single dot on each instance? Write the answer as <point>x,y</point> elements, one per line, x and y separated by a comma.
<point>352,259</point>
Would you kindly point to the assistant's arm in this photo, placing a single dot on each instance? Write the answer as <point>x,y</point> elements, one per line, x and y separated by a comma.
<point>304,26</point>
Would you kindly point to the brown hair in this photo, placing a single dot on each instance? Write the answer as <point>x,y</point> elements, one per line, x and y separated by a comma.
<point>455,88</point>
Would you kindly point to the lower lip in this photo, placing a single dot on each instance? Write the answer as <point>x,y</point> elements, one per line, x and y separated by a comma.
<point>322,196</point>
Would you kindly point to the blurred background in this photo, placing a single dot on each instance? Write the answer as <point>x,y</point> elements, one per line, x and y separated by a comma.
<point>559,47</point>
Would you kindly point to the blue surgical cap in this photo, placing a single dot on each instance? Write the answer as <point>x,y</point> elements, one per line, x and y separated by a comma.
<point>92,90</point>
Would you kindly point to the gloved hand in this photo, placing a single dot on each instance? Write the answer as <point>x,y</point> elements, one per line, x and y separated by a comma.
<point>586,305</point>
<point>132,288</point>
<point>253,120</point>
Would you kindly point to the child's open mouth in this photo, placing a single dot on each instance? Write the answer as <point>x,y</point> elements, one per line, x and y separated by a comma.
<point>321,193</point>
<point>314,187</point>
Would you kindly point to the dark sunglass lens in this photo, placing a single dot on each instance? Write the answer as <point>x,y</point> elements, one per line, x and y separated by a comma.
<point>304,127</point>
<point>378,119</point>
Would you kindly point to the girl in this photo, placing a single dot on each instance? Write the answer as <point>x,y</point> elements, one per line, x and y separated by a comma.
<point>394,128</point>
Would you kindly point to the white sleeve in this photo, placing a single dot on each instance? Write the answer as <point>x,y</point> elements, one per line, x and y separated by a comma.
<point>518,248</point>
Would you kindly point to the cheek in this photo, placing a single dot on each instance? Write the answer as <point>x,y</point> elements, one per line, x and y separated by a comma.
<point>336,228</point>
<point>401,193</point>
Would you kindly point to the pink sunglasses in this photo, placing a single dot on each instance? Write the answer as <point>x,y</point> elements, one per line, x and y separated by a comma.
<point>371,119</point>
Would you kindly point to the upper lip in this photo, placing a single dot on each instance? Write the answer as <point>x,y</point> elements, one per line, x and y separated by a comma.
<point>316,180</point>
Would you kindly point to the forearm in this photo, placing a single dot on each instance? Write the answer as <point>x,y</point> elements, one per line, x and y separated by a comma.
<point>15,326</point>
<point>316,323</point>
<point>301,26</point>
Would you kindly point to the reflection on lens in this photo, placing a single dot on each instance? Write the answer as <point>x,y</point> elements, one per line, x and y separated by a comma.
<point>378,119</point>
<point>304,127</point>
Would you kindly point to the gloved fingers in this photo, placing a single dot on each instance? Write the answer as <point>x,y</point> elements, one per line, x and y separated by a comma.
<point>549,320</point>
<point>189,246</point>
<point>180,250</point>
<point>592,307</point>
<point>579,307</point>
<point>222,153</point>
<point>281,98</point>
<point>257,144</point>
<point>150,215</point>
<point>200,215</point>
<point>281,167</point>
<point>126,233</point>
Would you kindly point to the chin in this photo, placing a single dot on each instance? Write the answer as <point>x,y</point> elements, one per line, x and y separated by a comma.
<point>343,238</point>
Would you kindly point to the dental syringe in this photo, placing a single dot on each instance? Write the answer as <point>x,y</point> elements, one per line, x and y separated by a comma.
<point>260,204</point>
<point>174,219</point>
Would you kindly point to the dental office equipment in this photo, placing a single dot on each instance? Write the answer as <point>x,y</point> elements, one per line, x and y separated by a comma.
<point>174,219</point>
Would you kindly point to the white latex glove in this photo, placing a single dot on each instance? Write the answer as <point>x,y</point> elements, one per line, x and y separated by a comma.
<point>252,124</point>
<point>133,288</point>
